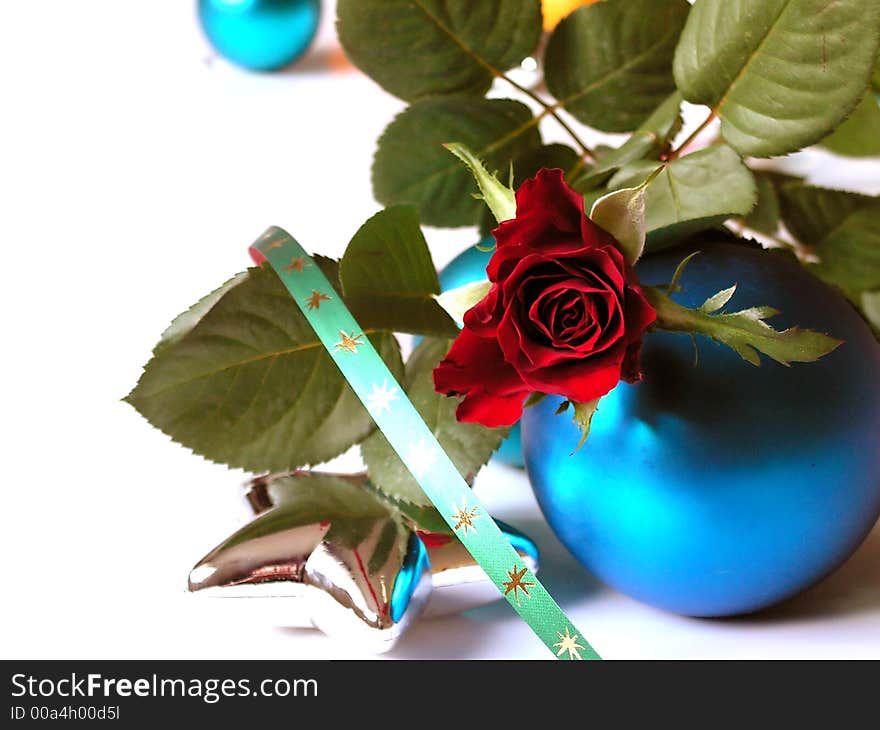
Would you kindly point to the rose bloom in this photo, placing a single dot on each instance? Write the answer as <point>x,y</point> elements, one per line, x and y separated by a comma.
<point>565,314</point>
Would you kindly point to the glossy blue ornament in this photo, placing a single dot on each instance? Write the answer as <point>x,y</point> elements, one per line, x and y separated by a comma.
<point>467,268</point>
<point>721,488</point>
<point>261,35</point>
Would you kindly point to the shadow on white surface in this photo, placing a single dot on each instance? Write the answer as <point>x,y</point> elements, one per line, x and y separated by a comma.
<point>562,575</point>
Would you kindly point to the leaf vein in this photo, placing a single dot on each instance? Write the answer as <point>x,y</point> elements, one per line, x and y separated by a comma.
<point>241,363</point>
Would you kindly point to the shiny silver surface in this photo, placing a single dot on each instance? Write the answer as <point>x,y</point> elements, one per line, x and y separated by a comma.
<point>363,583</point>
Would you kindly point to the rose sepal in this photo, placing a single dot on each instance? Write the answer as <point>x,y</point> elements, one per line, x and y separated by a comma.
<point>582,414</point>
<point>745,331</point>
<point>500,199</point>
<point>456,302</point>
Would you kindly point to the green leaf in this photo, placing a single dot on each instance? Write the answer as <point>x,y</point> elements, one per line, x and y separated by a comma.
<point>499,198</point>
<point>388,538</point>
<point>459,300</point>
<point>622,214</point>
<point>764,217</point>
<point>692,193</point>
<point>469,445</point>
<point>411,165</point>
<point>425,518</point>
<point>310,497</point>
<point>745,331</point>
<point>717,301</point>
<point>842,229</point>
<point>389,279</point>
<point>552,156</point>
<point>781,74</point>
<point>251,386</point>
<point>859,135</point>
<point>850,254</point>
<point>320,496</point>
<point>184,322</point>
<point>649,140</point>
<point>812,213</point>
<point>418,48</point>
<point>610,64</point>
<point>354,511</point>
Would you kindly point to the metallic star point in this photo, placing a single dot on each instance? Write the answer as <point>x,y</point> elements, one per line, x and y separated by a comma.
<point>516,583</point>
<point>349,343</point>
<point>464,518</point>
<point>568,643</point>
<point>297,264</point>
<point>315,299</point>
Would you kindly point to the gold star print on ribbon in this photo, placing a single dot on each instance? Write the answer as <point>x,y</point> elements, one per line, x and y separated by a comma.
<point>414,440</point>
<point>297,264</point>
<point>274,244</point>
<point>568,643</point>
<point>464,518</point>
<point>516,583</point>
<point>349,343</point>
<point>314,300</point>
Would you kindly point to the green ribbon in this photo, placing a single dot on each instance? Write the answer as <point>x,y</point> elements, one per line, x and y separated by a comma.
<point>416,445</point>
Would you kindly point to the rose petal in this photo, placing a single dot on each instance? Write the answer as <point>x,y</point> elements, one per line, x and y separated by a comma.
<point>548,212</point>
<point>601,327</point>
<point>472,362</point>
<point>631,369</point>
<point>515,347</point>
<point>639,313</point>
<point>565,313</point>
<point>580,380</point>
<point>490,409</point>
<point>483,317</point>
<point>605,264</point>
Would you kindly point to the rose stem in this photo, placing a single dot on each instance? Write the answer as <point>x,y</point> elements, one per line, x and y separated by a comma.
<point>693,135</point>
<point>551,110</point>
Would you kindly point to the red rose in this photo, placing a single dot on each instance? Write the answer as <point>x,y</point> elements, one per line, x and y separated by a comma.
<point>565,314</point>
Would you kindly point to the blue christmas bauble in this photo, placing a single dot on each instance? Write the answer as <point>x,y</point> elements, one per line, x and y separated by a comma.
<point>467,268</point>
<point>715,487</point>
<point>261,35</point>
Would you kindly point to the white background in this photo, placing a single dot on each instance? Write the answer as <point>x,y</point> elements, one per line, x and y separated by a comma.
<point>134,170</point>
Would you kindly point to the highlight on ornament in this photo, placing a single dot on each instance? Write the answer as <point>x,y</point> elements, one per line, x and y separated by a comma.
<point>675,336</point>
<point>260,35</point>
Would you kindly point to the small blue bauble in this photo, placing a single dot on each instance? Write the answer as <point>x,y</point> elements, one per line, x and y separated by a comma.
<point>721,488</point>
<point>467,268</point>
<point>261,35</point>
